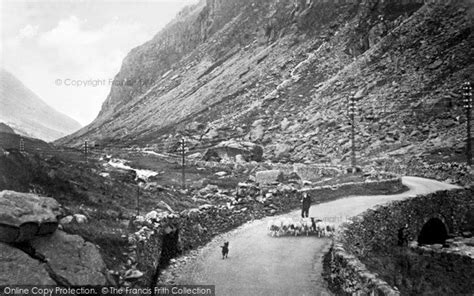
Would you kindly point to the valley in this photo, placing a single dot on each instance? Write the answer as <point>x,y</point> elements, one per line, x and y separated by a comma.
<point>221,122</point>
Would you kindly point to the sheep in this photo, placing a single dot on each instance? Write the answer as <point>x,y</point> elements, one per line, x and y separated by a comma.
<point>274,227</point>
<point>286,225</point>
<point>270,224</point>
<point>297,228</point>
<point>330,228</point>
<point>324,229</point>
<point>320,229</point>
<point>306,225</point>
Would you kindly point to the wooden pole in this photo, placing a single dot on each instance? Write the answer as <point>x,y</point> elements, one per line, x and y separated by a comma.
<point>467,98</point>
<point>138,198</point>
<point>183,163</point>
<point>352,111</point>
<point>22,145</point>
<point>86,148</point>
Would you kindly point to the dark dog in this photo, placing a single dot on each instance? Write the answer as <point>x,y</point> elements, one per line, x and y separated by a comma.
<point>225,250</point>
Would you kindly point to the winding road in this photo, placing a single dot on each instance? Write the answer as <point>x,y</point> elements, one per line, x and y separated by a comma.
<point>259,264</point>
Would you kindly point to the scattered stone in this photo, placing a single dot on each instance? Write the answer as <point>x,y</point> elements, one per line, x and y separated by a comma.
<point>282,150</point>
<point>284,124</point>
<point>132,274</point>
<point>240,159</point>
<point>80,219</point>
<point>258,131</point>
<point>66,220</point>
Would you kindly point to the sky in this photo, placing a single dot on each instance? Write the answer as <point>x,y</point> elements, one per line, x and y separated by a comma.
<point>68,51</point>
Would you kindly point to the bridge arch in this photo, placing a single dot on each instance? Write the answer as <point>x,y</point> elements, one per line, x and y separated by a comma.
<point>434,231</point>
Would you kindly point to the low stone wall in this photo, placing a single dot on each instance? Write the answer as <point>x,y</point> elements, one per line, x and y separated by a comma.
<point>452,172</point>
<point>373,242</point>
<point>308,172</point>
<point>197,227</point>
<point>348,276</point>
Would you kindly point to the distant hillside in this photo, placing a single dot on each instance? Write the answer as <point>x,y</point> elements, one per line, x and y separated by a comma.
<point>12,141</point>
<point>28,115</point>
<point>6,129</point>
<point>280,73</point>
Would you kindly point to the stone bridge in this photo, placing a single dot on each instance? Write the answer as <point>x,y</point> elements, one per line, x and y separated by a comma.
<point>438,227</point>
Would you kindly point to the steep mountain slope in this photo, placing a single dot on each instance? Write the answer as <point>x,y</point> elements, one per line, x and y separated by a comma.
<point>6,129</point>
<point>280,73</point>
<point>28,115</point>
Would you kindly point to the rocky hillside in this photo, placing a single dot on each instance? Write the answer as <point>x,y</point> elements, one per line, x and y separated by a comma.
<point>6,129</point>
<point>280,73</point>
<point>28,115</point>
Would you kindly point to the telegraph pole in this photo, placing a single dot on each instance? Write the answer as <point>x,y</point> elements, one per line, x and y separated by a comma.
<point>183,163</point>
<point>22,145</point>
<point>352,112</point>
<point>138,198</point>
<point>467,100</point>
<point>86,149</point>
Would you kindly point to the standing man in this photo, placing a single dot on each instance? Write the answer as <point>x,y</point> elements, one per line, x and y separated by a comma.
<point>306,203</point>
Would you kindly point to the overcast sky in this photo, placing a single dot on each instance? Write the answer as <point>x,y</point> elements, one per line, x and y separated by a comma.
<point>48,44</point>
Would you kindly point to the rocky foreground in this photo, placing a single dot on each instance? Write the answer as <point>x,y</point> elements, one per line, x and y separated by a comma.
<point>34,252</point>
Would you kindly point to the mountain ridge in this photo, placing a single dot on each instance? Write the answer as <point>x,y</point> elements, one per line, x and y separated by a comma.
<point>28,114</point>
<point>280,73</point>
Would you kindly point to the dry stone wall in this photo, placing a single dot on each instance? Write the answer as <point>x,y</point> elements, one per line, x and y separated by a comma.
<point>452,172</point>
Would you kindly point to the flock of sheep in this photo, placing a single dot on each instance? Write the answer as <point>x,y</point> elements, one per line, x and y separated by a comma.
<point>287,226</point>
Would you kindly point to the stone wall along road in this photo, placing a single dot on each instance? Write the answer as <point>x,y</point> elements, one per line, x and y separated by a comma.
<point>259,264</point>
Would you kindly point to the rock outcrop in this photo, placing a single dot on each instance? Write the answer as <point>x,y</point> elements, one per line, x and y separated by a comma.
<point>25,215</point>
<point>38,254</point>
<point>230,151</point>
<point>17,267</point>
<point>4,128</point>
<point>72,260</point>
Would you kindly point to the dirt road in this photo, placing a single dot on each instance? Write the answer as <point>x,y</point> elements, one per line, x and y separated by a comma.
<point>259,264</point>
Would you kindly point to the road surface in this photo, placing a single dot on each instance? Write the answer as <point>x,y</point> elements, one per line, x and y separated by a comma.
<point>259,264</point>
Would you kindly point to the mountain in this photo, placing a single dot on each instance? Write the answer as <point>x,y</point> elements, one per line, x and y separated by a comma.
<point>4,128</point>
<point>280,73</point>
<point>28,115</point>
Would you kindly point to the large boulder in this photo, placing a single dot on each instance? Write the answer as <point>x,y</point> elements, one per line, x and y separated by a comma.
<point>18,268</point>
<point>25,215</point>
<point>282,150</point>
<point>72,260</point>
<point>269,177</point>
<point>315,173</point>
<point>229,150</point>
<point>257,131</point>
<point>122,175</point>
